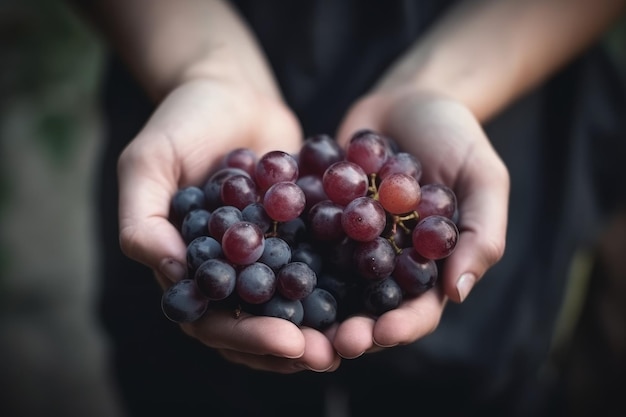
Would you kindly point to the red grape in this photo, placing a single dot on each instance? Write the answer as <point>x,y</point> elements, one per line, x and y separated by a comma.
<point>435,237</point>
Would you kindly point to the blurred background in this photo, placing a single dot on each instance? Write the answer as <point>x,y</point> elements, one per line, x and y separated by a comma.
<point>53,353</point>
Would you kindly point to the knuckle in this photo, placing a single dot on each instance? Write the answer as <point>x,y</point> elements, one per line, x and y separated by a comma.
<point>494,251</point>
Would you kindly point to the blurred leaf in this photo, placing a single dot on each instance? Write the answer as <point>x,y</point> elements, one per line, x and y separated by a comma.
<point>57,137</point>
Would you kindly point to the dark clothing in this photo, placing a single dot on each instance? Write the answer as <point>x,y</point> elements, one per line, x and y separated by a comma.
<point>560,143</point>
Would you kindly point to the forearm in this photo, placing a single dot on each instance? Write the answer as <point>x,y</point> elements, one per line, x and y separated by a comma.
<point>166,42</point>
<point>486,53</point>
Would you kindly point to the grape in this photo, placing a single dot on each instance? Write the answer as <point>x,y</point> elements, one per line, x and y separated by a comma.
<point>363,219</point>
<point>242,158</point>
<point>335,285</point>
<point>183,302</point>
<point>435,237</point>
<point>293,232</point>
<point>281,307</point>
<point>276,254</point>
<point>320,309</point>
<point>317,154</point>
<point>313,190</point>
<point>213,187</point>
<point>215,279</point>
<point>414,273</point>
<point>255,213</point>
<point>185,200</point>
<point>274,167</point>
<point>382,296</point>
<point>195,224</point>
<point>221,219</point>
<point>340,255</point>
<point>399,193</point>
<point>375,259</point>
<point>344,181</point>
<point>325,221</point>
<point>316,236</point>
<point>201,249</point>
<point>437,199</point>
<point>307,254</point>
<point>239,191</point>
<point>296,280</point>
<point>401,163</point>
<point>369,150</point>
<point>256,283</point>
<point>284,201</point>
<point>243,243</point>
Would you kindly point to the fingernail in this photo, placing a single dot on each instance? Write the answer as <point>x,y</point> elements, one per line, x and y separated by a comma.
<point>465,284</point>
<point>352,357</point>
<point>304,366</point>
<point>385,346</point>
<point>173,270</point>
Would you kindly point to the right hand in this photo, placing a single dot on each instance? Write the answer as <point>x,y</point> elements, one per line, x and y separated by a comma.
<point>193,127</point>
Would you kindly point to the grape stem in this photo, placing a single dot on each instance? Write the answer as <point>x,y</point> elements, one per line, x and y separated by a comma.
<point>399,220</point>
<point>372,190</point>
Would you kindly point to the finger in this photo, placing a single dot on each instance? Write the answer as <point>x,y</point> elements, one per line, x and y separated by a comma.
<point>354,337</point>
<point>483,192</point>
<point>281,132</point>
<point>146,185</point>
<point>319,356</point>
<point>365,114</point>
<point>412,320</point>
<point>247,333</point>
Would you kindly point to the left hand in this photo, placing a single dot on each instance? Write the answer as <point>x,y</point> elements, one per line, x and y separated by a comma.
<point>453,149</point>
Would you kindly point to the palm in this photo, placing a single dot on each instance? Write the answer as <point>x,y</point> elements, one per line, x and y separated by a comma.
<point>453,150</point>
<point>182,142</point>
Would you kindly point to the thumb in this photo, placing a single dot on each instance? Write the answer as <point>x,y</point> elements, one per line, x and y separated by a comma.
<point>367,113</point>
<point>146,184</point>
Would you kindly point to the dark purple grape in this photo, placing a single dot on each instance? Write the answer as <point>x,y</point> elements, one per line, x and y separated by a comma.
<point>437,199</point>
<point>256,283</point>
<point>435,237</point>
<point>195,224</point>
<point>213,187</point>
<point>283,308</point>
<point>243,243</point>
<point>414,273</point>
<point>183,302</point>
<point>344,181</point>
<point>313,190</point>
<point>242,158</point>
<point>274,167</point>
<point>255,213</point>
<point>334,284</point>
<point>376,259</point>
<point>339,256</point>
<point>293,232</point>
<point>369,150</point>
<point>363,219</point>
<point>296,280</point>
<point>401,163</point>
<point>277,253</point>
<point>284,201</point>
<point>239,191</point>
<point>201,249</point>
<point>307,254</point>
<point>216,279</point>
<point>221,219</point>
<point>317,153</point>
<point>325,221</point>
<point>185,200</point>
<point>320,309</point>
<point>381,296</point>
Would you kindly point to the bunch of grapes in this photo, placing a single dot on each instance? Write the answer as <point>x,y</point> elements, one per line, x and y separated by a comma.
<point>313,237</point>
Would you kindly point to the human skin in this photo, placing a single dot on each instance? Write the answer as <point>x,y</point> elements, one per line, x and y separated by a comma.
<point>215,92</point>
